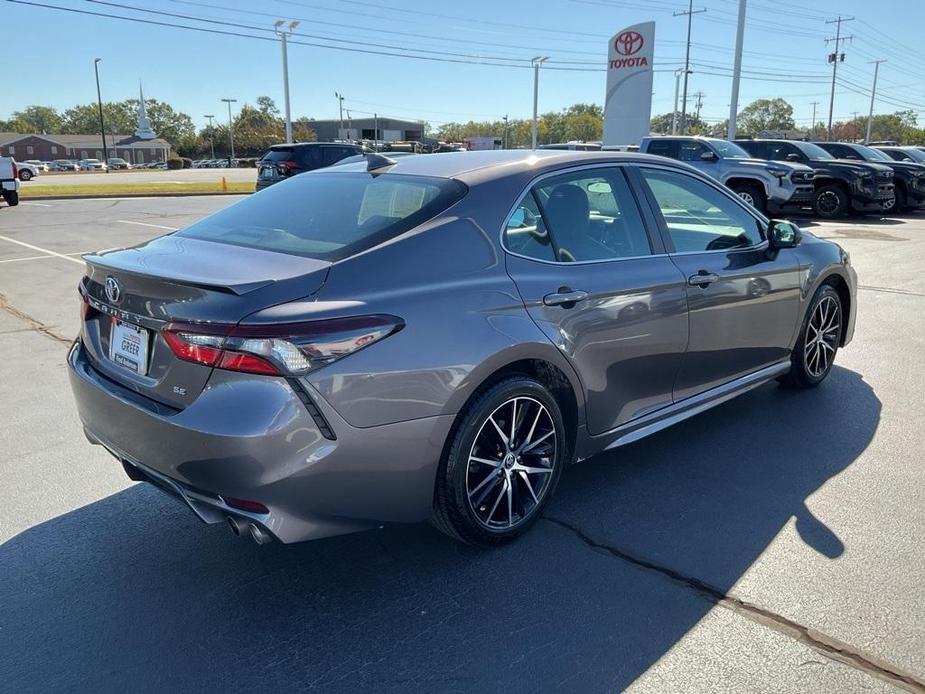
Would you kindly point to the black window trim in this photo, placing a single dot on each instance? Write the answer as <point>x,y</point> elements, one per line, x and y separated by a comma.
<point>763,221</point>
<point>656,244</point>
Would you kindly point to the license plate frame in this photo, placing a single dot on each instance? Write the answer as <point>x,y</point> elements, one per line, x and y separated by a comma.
<point>128,346</point>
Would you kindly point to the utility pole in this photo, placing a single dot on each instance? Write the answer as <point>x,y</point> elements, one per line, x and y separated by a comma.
<point>99,103</point>
<point>736,73</point>
<point>812,129</point>
<point>230,128</point>
<point>284,35</point>
<point>504,133</point>
<point>674,114</point>
<point>211,134</point>
<point>536,62</point>
<point>340,107</point>
<point>687,60</point>
<point>699,96</point>
<point>873,95</point>
<point>836,58</point>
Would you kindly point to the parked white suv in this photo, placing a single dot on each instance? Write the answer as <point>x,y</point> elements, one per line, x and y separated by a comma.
<point>9,181</point>
<point>27,171</point>
<point>92,165</point>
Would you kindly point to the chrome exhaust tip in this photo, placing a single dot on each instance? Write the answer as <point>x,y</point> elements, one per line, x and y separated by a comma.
<point>259,535</point>
<point>238,526</point>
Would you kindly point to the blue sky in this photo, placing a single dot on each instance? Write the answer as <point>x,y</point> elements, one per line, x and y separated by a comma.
<point>52,52</point>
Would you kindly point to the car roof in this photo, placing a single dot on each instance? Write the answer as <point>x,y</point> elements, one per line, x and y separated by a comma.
<point>289,145</point>
<point>487,164</point>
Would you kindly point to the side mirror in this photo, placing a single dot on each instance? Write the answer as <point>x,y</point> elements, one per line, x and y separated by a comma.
<point>517,219</point>
<point>783,234</point>
<point>793,156</point>
<point>708,156</point>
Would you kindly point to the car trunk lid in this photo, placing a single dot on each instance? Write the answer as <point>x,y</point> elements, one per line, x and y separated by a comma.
<point>131,295</point>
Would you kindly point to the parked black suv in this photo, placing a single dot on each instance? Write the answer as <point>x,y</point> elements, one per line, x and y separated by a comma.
<point>841,185</point>
<point>283,161</point>
<point>909,178</point>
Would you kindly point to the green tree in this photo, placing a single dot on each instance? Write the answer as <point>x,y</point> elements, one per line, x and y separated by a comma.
<point>85,119</point>
<point>267,106</point>
<point>765,114</point>
<point>36,119</point>
<point>662,122</point>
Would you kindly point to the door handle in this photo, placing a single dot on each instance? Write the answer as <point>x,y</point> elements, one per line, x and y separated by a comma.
<point>565,297</point>
<point>702,279</point>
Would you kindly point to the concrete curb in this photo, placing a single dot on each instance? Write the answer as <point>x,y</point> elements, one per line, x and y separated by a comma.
<point>159,194</point>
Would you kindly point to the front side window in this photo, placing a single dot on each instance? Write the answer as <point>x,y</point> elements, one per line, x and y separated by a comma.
<point>698,216</point>
<point>693,151</point>
<point>329,216</point>
<point>591,215</point>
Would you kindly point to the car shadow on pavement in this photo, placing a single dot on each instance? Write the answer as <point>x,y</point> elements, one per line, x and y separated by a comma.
<point>131,593</point>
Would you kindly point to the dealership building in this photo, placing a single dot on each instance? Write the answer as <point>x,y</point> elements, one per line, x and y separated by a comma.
<point>385,129</point>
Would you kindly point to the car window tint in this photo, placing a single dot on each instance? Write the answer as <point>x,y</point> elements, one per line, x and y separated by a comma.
<point>698,216</point>
<point>665,148</point>
<point>592,215</point>
<point>329,215</point>
<point>525,232</point>
<point>692,151</point>
<point>308,157</point>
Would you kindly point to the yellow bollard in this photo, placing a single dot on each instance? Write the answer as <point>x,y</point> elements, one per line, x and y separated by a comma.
<point>224,185</point>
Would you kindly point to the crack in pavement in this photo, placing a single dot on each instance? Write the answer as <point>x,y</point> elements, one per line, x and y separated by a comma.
<point>34,324</point>
<point>830,647</point>
<point>890,290</point>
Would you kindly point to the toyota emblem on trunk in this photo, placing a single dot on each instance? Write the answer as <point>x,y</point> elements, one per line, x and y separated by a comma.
<point>113,290</point>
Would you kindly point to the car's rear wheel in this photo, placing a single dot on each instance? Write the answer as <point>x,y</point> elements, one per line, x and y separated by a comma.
<point>502,464</point>
<point>11,197</point>
<point>814,353</point>
<point>831,202</point>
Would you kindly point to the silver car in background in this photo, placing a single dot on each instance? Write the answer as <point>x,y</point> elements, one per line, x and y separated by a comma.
<point>438,337</point>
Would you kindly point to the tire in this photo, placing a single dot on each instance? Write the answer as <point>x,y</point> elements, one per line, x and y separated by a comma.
<point>481,496</point>
<point>806,371</point>
<point>901,201</point>
<point>830,202</point>
<point>752,194</point>
<point>25,175</point>
<point>11,197</point>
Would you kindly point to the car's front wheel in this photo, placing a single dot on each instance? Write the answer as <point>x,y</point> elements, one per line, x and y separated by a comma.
<point>502,464</point>
<point>25,175</point>
<point>814,353</point>
<point>831,202</point>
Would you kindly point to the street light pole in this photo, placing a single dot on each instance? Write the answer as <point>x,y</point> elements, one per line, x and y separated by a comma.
<point>230,128</point>
<point>674,114</point>
<point>211,134</point>
<point>537,61</point>
<point>284,35</point>
<point>340,108</point>
<point>99,103</point>
<point>873,95</point>
<point>736,73</point>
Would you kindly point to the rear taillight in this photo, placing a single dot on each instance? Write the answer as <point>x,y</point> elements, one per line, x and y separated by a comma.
<point>286,167</point>
<point>84,303</point>
<point>15,171</point>
<point>286,349</point>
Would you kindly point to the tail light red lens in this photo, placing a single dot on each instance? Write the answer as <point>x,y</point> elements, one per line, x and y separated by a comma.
<point>290,349</point>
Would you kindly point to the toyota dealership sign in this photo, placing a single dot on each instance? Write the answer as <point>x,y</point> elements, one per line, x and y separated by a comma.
<point>628,103</point>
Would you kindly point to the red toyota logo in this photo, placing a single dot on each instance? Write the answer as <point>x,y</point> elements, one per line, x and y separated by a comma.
<point>628,43</point>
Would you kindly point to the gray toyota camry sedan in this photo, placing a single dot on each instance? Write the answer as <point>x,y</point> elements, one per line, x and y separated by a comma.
<point>439,337</point>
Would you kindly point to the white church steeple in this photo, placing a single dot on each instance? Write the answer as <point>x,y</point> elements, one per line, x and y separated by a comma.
<point>143,131</point>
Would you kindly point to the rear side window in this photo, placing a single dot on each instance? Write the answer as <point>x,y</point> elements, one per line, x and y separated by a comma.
<point>329,216</point>
<point>332,155</point>
<point>665,148</point>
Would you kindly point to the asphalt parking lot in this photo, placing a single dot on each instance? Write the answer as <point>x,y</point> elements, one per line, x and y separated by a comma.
<point>773,544</point>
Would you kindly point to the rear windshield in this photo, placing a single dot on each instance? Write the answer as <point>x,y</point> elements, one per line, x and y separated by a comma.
<point>278,155</point>
<point>328,215</point>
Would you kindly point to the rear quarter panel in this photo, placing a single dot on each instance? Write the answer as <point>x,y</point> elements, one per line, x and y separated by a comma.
<point>464,319</point>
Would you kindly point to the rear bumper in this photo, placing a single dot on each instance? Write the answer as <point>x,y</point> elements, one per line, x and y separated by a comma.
<point>9,184</point>
<point>253,438</point>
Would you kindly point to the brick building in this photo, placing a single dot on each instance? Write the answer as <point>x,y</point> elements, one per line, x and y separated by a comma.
<point>133,149</point>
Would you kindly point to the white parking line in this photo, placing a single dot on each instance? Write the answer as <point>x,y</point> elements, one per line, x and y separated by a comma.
<point>35,257</point>
<point>145,224</point>
<point>36,204</point>
<point>41,250</point>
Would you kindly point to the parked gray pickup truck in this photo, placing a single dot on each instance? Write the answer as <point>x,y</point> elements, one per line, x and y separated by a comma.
<point>9,181</point>
<point>769,186</point>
